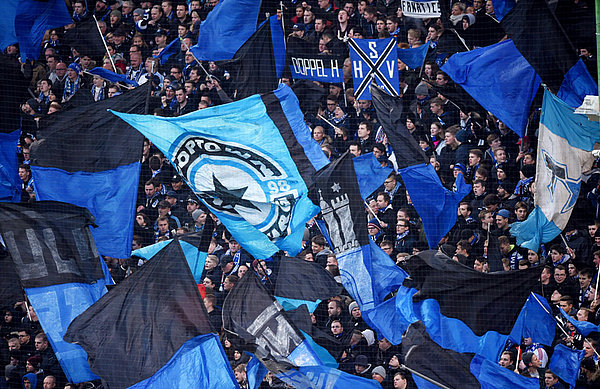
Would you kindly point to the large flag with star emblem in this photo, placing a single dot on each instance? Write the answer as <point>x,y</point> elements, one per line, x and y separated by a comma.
<point>565,143</point>
<point>251,162</point>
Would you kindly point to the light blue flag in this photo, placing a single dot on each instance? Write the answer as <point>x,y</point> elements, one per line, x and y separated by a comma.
<point>25,22</point>
<point>565,143</point>
<point>171,49</point>
<point>500,79</point>
<point>565,363</point>
<point>249,162</point>
<point>374,59</point>
<point>225,29</point>
<point>413,58</point>
<point>577,84</point>
<point>200,363</point>
<point>112,76</point>
<point>369,174</point>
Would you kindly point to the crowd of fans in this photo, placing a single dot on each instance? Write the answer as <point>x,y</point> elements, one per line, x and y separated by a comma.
<point>500,166</point>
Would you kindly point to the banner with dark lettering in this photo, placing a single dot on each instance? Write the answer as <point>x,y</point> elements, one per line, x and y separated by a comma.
<point>317,68</point>
<point>50,243</point>
<point>374,60</point>
<point>421,9</point>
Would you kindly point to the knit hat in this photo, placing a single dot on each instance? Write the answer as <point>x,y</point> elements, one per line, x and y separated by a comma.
<point>352,305</point>
<point>197,213</point>
<point>421,89</point>
<point>361,360</point>
<point>75,67</point>
<point>381,371</point>
<point>374,223</point>
<point>528,170</point>
<point>35,361</point>
<point>504,213</point>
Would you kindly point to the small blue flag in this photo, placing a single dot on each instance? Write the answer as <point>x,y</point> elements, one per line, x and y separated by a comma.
<point>535,321</point>
<point>255,372</point>
<point>111,76</point>
<point>374,59</point>
<point>10,183</point>
<point>369,174</point>
<point>577,84</point>
<point>171,49</point>
<point>413,58</point>
<point>491,375</point>
<point>565,363</point>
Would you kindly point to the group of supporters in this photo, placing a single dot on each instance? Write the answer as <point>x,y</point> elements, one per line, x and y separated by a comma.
<point>500,166</point>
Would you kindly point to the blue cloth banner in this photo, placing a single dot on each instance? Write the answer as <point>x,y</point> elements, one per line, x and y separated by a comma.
<point>171,49</point>
<point>25,22</point>
<point>200,362</point>
<point>584,327</point>
<point>255,372</point>
<point>413,58</point>
<point>225,29</point>
<point>317,68</point>
<point>109,195</point>
<point>500,79</point>
<point>248,162</point>
<point>565,142</point>
<point>369,174</point>
<point>491,375</point>
<point>535,321</point>
<point>56,306</point>
<point>577,84</point>
<point>278,39</point>
<point>565,363</point>
<point>439,216</point>
<point>501,7</point>
<point>10,183</point>
<point>111,76</point>
<point>321,377</point>
<point>374,59</point>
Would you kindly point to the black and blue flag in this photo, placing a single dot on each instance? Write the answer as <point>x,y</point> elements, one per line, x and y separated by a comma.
<point>250,162</point>
<point>88,157</point>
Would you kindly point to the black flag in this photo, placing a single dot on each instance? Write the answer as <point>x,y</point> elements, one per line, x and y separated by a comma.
<point>132,331</point>
<point>302,280</point>
<point>485,302</point>
<point>50,243</point>
<point>86,39</point>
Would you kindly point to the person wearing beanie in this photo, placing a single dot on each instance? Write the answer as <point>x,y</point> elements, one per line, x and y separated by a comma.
<point>375,231</point>
<point>362,367</point>
<point>527,175</point>
<point>356,320</point>
<point>379,374</point>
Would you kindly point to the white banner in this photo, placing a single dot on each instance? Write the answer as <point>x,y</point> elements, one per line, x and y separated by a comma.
<point>420,9</point>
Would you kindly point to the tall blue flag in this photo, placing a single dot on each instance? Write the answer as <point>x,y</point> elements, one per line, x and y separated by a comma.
<point>10,184</point>
<point>415,57</point>
<point>200,362</point>
<point>535,321</point>
<point>577,84</point>
<point>565,363</point>
<point>249,161</point>
<point>374,60</point>
<point>420,177</point>
<point>57,263</point>
<point>25,22</point>
<point>225,29</point>
<point>500,79</point>
<point>565,142</point>
<point>87,157</point>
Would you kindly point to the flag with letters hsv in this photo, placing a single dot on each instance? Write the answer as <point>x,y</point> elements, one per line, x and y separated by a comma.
<point>251,162</point>
<point>374,59</point>
<point>565,142</point>
<point>144,320</point>
<point>88,157</point>
<point>55,257</point>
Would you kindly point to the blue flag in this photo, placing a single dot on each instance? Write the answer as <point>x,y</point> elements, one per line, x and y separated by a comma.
<point>111,76</point>
<point>317,68</point>
<point>171,49</point>
<point>255,372</point>
<point>369,174</point>
<point>374,59</point>
<point>321,377</point>
<point>565,363</point>
<point>25,22</point>
<point>413,58</point>
<point>565,142</point>
<point>584,327</point>
<point>200,362</point>
<point>501,7</point>
<point>500,79</point>
<point>535,321</point>
<point>577,84</point>
<point>10,183</point>
<point>225,29</point>
<point>491,375</point>
<point>249,162</point>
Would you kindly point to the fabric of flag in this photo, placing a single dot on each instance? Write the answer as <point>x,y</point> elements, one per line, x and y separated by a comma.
<point>565,142</point>
<point>420,178</point>
<point>535,321</point>
<point>491,375</point>
<point>111,76</point>
<point>10,287</point>
<point>226,28</point>
<point>86,39</point>
<point>541,40</point>
<point>485,302</point>
<point>323,377</point>
<point>255,372</point>
<point>583,327</point>
<point>420,9</point>
<point>25,22</point>
<point>565,363</point>
<point>10,183</point>
<point>13,92</point>
<point>88,157</point>
<point>259,62</point>
<point>374,59</point>
<point>368,273</point>
<point>369,174</point>
<point>316,68</point>
<point>145,320</point>
<point>302,282</point>
<point>577,84</point>
<point>415,57</point>
<point>251,162</point>
<point>194,253</point>
<point>502,7</point>
<point>56,260</point>
<point>171,49</point>
<point>500,79</point>
<point>200,363</point>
